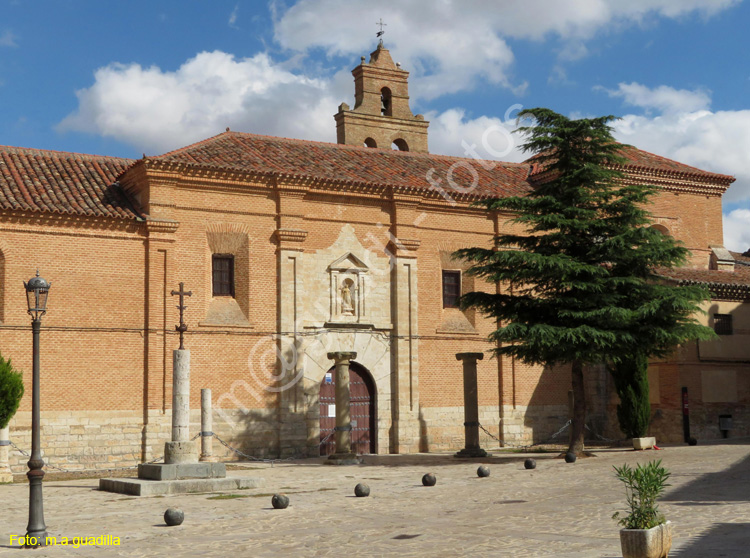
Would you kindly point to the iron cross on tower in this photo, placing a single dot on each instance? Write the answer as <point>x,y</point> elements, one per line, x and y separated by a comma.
<point>182,328</point>
<point>381,32</point>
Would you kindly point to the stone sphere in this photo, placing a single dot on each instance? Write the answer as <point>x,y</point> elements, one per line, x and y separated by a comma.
<point>692,441</point>
<point>483,471</point>
<point>361,490</point>
<point>280,501</point>
<point>530,463</point>
<point>429,479</point>
<point>570,457</point>
<point>174,516</point>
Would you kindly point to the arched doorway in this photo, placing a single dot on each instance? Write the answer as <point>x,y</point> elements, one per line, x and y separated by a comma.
<point>362,397</point>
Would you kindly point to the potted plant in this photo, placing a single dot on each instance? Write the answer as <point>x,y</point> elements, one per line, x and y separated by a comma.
<point>645,532</point>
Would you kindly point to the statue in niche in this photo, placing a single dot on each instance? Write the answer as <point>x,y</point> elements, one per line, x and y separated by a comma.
<point>347,306</point>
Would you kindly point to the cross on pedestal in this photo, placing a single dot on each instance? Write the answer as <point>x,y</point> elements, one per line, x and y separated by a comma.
<point>182,328</point>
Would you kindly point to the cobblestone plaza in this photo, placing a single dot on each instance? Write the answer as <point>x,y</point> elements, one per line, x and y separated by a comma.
<point>557,509</point>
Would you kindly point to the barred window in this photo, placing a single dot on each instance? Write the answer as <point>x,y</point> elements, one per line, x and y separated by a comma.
<point>723,324</point>
<point>451,288</point>
<point>223,275</point>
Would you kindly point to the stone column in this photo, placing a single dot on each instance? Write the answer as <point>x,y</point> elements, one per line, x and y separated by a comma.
<point>5,473</point>
<point>471,406</point>
<point>343,434</point>
<point>180,449</point>
<point>207,425</point>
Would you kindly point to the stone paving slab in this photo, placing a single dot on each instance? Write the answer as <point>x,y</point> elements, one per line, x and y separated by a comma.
<point>557,510</point>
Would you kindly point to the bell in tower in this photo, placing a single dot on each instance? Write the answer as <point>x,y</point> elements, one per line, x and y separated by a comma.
<point>381,116</point>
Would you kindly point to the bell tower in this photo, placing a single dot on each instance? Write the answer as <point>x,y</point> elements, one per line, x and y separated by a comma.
<point>381,116</point>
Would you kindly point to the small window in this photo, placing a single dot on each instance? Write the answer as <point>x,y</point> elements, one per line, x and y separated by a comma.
<point>369,142</point>
<point>451,288</point>
<point>723,324</point>
<point>223,275</point>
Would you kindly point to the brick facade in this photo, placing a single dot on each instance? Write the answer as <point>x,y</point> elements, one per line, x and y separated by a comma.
<point>299,219</point>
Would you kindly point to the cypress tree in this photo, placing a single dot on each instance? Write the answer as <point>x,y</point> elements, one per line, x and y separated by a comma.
<point>631,384</point>
<point>577,285</point>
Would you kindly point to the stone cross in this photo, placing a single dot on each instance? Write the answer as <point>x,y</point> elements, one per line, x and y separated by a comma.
<point>182,328</point>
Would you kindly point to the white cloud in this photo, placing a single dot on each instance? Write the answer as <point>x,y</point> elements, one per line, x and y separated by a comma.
<point>684,128</point>
<point>484,137</point>
<point>157,110</point>
<point>713,141</point>
<point>8,39</point>
<point>233,17</point>
<point>737,230</point>
<point>663,98</point>
<point>449,45</point>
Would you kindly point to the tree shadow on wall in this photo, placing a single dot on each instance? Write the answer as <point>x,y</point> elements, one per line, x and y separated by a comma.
<point>550,400</point>
<point>546,404</point>
<point>266,422</point>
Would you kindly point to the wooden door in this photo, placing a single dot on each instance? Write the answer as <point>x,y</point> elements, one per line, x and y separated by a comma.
<point>362,394</point>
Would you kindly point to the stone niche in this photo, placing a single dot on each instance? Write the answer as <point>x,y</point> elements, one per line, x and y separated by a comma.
<point>348,285</point>
<point>344,285</point>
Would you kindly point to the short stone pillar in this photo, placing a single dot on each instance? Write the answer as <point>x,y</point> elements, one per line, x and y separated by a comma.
<point>5,473</point>
<point>471,406</point>
<point>180,449</point>
<point>343,431</point>
<point>207,434</point>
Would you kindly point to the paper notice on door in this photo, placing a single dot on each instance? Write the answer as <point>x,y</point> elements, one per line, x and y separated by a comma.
<point>331,411</point>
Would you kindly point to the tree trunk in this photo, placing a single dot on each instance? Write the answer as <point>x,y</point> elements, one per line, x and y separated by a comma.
<point>578,425</point>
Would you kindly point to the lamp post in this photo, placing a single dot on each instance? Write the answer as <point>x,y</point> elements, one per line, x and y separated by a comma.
<point>37,290</point>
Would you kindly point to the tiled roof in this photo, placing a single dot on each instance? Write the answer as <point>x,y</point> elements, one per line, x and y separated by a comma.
<point>67,183</point>
<point>70,183</point>
<point>723,285</point>
<point>740,275</point>
<point>362,165</point>
<point>638,159</point>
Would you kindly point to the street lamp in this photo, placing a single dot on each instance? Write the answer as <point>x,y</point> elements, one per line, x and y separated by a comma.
<point>37,291</point>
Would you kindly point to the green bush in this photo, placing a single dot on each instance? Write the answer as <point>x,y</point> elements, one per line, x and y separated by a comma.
<point>643,485</point>
<point>631,383</point>
<point>11,391</point>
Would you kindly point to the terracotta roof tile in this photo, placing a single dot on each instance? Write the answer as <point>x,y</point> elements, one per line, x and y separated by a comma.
<point>69,183</point>
<point>643,159</point>
<point>638,159</point>
<point>254,153</point>
<point>740,276</point>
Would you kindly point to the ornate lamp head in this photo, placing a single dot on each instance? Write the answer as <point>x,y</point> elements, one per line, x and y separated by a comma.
<point>37,291</point>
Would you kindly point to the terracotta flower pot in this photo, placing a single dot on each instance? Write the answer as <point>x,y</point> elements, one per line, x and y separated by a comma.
<point>647,543</point>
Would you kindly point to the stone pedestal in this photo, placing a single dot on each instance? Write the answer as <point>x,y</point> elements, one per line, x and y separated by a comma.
<point>471,406</point>
<point>343,433</point>
<point>5,473</point>
<point>180,449</point>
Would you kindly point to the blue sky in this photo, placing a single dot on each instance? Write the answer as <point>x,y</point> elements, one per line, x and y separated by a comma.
<point>126,78</point>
